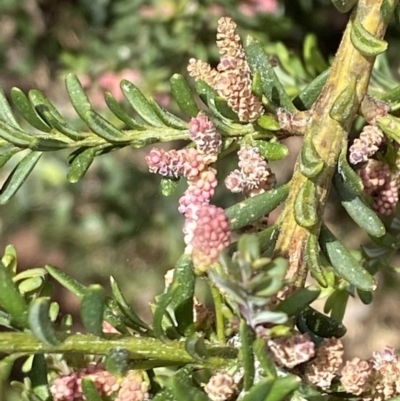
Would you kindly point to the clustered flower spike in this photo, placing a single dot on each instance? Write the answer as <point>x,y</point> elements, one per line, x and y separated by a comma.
<point>206,227</point>
<point>220,387</point>
<point>377,379</point>
<point>292,351</point>
<point>232,78</point>
<point>366,145</point>
<point>382,184</point>
<point>254,176</point>
<point>321,370</point>
<point>133,386</point>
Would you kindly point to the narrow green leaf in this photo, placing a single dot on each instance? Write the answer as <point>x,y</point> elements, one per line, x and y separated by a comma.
<point>272,151</point>
<point>30,284</point>
<point>38,377</point>
<point>224,109</point>
<point>137,323</point>
<point>182,94</point>
<point>344,104</point>
<point>269,122</point>
<point>14,135</point>
<point>183,390</point>
<point>18,176</point>
<point>344,264</point>
<point>283,387</point>
<point>251,209</point>
<point>7,155</point>
<point>257,85</point>
<point>89,390</point>
<point>358,210</point>
<point>119,112</point>
<point>80,163</point>
<point>196,348</point>
<point>104,129</point>
<point>6,320</point>
<point>78,97</point>
<point>117,361</point>
<point>314,61</point>
<point>350,178</point>
<point>299,300</point>
<point>140,104</point>
<point>66,281</point>
<point>313,261</point>
<point>387,9</point>
<point>366,297</point>
<point>311,163</point>
<point>24,106</point>
<point>336,304</point>
<point>11,300</point>
<point>168,118</point>
<point>364,42</point>
<point>6,114</point>
<point>92,309</point>
<point>41,144</point>
<point>209,97</point>
<point>272,87</point>
<point>264,357</point>
<point>390,125</point>
<point>40,323</point>
<point>247,337</point>
<point>320,324</point>
<point>307,97</point>
<point>260,391</point>
<point>50,117</point>
<point>344,6</point>
<point>306,204</point>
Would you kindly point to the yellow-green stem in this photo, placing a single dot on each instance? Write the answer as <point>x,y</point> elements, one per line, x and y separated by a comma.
<point>329,135</point>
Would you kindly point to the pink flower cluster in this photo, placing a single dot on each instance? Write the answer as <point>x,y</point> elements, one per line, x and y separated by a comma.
<point>366,145</point>
<point>206,227</point>
<point>254,175</point>
<point>382,185</point>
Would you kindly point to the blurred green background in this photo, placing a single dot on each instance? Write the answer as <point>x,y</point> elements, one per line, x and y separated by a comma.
<point>116,222</point>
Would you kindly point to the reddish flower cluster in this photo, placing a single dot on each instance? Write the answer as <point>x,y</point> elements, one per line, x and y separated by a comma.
<point>366,145</point>
<point>206,227</point>
<point>133,387</point>
<point>254,176</point>
<point>220,387</point>
<point>232,78</point>
<point>382,185</point>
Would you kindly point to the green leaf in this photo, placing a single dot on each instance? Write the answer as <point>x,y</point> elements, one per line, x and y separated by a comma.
<point>89,390</point>
<point>183,375</point>
<point>344,264</point>
<point>78,97</point>
<point>390,125</point>
<point>344,104</point>
<point>311,163</point>
<point>136,323</point>
<point>168,186</point>
<point>182,94</point>
<point>7,155</point>
<point>313,59</point>
<point>252,209</point>
<point>264,357</point>
<point>11,300</point>
<point>140,104</point>
<point>358,210</point>
<point>307,97</point>
<point>66,281</point>
<point>79,163</point>
<point>92,309</point>
<point>183,390</point>
<point>313,261</point>
<point>272,87</point>
<point>387,9</point>
<point>196,348</point>
<point>364,42</point>
<point>117,361</point>
<point>282,387</point>
<point>344,6</point>
<point>15,136</point>
<point>104,129</point>
<point>40,323</point>
<point>269,122</point>
<point>336,304</point>
<point>18,176</point>
<point>6,114</point>
<point>259,391</point>
<point>271,151</point>
<point>299,300</point>
<point>38,377</point>
<point>350,178</point>
<point>168,118</point>
<point>30,284</point>
<point>119,112</point>
<point>319,324</point>
<point>247,337</point>
<point>305,207</point>
<point>365,296</point>
<point>24,106</point>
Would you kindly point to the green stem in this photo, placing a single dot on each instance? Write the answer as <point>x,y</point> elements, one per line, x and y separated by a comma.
<point>139,348</point>
<point>219,316</point>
